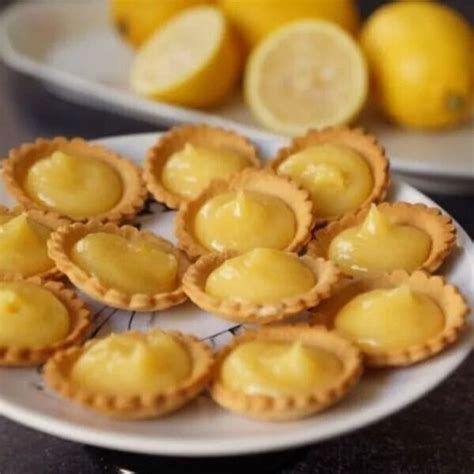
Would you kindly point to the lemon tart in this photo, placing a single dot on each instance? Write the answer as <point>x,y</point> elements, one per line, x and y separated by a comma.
<point>343,169</point>
<point>186,159</point>
<point>23,237</point>
<point>261,285</point>
<point>38,319</point>
<point>285,372</point>
<point>132,375</point>
<point>387,237</point>
<point>74,179</point>
<point>120,266</point>
<point>252,209</point>
<point>396,319</point>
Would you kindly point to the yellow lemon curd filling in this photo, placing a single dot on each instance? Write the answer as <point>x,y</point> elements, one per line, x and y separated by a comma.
<point>393,319</point>
<point>30,316</point>
<point>23,246</point>
<point>243,220</point>
<point>75,186</point>
<point>377,245</point>
<point>188,171</point>
<point>260,276</point>
<point>132,364</point>
<point>278,368</point>
<point>131,266</point>
<point>338,178</point>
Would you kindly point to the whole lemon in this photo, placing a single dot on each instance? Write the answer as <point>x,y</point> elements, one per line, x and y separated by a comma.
<point>136,20</point>
<point>254,19</point>
<point>421,63</point>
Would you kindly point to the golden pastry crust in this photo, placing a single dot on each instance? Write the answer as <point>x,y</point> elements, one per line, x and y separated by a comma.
<point>22,158</point>
<point>147,405</point>
<point>194,282</point>
<point>284,408</point>
<point>356,139</point>
<point>174,140</point>
<point>430,220</point>
<point>79,324</point>
<point>296,199</point>
<point>446,296</point>
<point>61,242</point>
<point>44,218</point>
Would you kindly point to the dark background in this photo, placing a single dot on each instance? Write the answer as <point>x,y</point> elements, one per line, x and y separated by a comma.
<point>434,435</point>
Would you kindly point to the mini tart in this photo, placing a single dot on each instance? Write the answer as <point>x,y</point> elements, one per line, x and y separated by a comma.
<point>44,218</point>
<point>79,316</point>
<point>437,226</point>
<point>57,374</point>
<point>447,298</point>
<point>61,243</point>
<point>356,139</point>
<point>297,200</point>
<point>175,140</point>
<point>21,159</point>
<point>194,282</point>
<point>290,407</point>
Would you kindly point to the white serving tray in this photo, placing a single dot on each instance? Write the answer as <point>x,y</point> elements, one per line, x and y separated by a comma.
<point>202,428</point>
<point>71,46</point>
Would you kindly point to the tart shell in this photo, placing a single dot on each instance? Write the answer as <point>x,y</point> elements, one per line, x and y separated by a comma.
<point>194,282</point>
<point>430,220</point>
<point>285,408</point>
<point>148,405</point>
<point>174,140</point>
<point>79,324</point>
<point>356,139</point>
<point>265,182</point>
<point>22,158</point>
<point>61,242</point>
<point>48,220</point>
<point>446,296</point>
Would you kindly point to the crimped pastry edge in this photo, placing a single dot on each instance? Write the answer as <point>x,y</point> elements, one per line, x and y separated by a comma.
<point>173,140</point>
<point>446,296</point>
<point>134,190</point>
<point>261,181</point>
<point>438,226</point>
<point>61,241</point>
<point>287,408</point>
<point>147,405</point>
<point>357,139</point>
<point>194,280</point>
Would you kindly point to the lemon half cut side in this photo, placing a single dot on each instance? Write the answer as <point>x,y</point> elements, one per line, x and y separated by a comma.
<point>308,74</point>
<point>193,60</point>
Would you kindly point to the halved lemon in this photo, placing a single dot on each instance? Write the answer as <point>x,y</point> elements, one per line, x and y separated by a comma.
<point>193,60</point>
<point>308,74</point>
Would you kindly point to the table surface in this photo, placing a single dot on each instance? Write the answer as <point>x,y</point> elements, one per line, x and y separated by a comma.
<point>434,435</point>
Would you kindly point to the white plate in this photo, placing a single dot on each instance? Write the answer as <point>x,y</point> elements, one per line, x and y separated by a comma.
<point>72,46</point>
<point>202,428</point>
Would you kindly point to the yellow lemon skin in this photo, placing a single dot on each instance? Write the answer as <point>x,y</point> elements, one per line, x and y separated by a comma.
<point>256,19</point>
<point>136,20</point>
<point>421,63</point>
